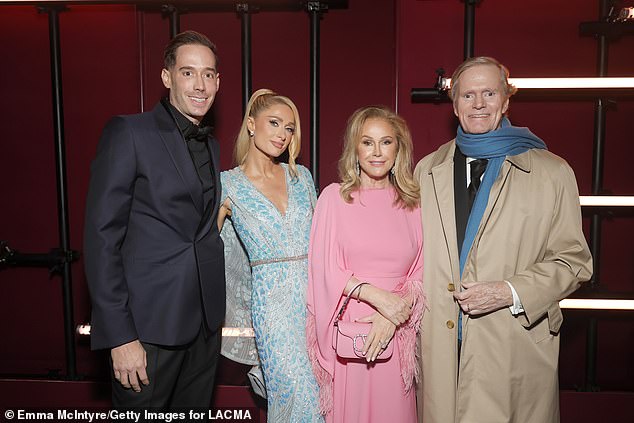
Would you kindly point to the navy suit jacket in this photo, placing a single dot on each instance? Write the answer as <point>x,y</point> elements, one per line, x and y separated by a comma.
<point>155,267</point>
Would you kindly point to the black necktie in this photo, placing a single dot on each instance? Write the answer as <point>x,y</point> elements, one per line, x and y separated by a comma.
<point>477,168</point>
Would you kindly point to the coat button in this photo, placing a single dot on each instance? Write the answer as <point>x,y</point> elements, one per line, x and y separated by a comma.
<point>450,324</point>
<point>451,287</point>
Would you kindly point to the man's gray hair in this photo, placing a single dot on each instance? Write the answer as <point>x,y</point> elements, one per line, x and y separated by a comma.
<point>509,89</point>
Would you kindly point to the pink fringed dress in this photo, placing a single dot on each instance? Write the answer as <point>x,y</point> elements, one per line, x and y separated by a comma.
<point>380,243</point>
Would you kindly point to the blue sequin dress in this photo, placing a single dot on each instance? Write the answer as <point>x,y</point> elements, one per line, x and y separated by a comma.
<point>277,246</point>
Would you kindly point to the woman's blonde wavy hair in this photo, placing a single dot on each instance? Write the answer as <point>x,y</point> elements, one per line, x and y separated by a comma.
<point>406,187</point>
<point>261,100</point>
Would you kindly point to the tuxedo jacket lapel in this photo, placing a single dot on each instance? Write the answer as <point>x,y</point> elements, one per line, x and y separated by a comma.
<point>173,141</point>
<point>214,152</point>
<point>209,213</point>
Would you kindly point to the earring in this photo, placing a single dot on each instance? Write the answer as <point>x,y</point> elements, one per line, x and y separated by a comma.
<point>357,168</point>
<point>251,133</point>
<point>392,171</point>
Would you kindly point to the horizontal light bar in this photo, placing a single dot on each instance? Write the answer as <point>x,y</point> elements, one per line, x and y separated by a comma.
<point>84,330</point>
<point>606,200</point>
<point>238,332</point>
<point>572,83</point>
<point>593,304</point>
<point>604,82</point>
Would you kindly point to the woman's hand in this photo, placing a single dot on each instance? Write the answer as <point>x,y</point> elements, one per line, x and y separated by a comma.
<point>394,308</point>
<point>379,337</point>
<point>225,210</point>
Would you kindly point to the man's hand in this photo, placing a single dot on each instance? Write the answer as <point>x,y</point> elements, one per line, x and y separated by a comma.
<point>483,297</point>
<point>128,364</point>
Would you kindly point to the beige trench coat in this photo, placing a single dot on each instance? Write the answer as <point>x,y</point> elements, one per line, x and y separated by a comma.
<point>531,236</point>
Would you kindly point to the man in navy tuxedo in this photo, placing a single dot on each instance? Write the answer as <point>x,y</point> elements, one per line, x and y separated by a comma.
<point>153,254</point>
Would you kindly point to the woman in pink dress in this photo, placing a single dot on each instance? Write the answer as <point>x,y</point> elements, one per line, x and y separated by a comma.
<point>367,230</point>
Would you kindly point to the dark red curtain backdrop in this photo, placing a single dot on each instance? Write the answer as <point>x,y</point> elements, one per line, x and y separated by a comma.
<point>371,53</point>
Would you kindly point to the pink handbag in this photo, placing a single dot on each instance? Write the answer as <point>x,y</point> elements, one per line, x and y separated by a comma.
<point>349,337</point>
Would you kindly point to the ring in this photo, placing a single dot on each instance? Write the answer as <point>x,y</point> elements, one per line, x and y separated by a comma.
<point>383,344</point>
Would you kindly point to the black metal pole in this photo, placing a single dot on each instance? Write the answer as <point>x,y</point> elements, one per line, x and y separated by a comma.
<point>174,17</point>
<point>599,146</point>
<point>245,19</point>
<point>592,333</point>
<point>314,10</point>
<point>62,190</point>
<point>469,27</point>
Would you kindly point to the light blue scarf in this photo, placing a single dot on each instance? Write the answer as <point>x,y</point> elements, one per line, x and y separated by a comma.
<point>507,140</point>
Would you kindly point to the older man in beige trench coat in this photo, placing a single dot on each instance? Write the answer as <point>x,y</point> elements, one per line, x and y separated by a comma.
<point>527,252</point>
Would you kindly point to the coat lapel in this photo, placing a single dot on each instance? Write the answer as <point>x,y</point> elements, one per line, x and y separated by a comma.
<point>210,216</point>
<point>520,161</point>
<point>173,141</point>
<point>442,177</point>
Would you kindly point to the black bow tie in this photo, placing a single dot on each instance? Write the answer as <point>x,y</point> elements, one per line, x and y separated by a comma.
<point>197,133</point>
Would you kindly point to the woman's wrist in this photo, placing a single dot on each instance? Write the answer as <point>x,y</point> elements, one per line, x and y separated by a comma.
<point>369,294</point>
<point>355,290</point>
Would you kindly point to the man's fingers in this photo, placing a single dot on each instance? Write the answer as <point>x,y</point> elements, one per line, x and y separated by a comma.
<point>142,371</point>
<point>134,382</point>
<point>462,295</point>
<point>132,379</point>
<point>124,380</point>
<point>143,376</point>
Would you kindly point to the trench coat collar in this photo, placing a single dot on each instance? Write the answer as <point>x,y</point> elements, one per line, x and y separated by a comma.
<point>445,153</point>
<point>522,161</point>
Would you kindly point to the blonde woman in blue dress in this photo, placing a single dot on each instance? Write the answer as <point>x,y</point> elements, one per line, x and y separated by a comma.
<point>270,205</point>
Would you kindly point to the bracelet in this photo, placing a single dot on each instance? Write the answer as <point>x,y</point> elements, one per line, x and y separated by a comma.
<point>357,286</point>
<point>359,292</point>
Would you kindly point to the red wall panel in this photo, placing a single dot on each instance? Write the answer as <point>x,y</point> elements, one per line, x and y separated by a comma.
<point>371,53</point>
<point>111,64</point>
